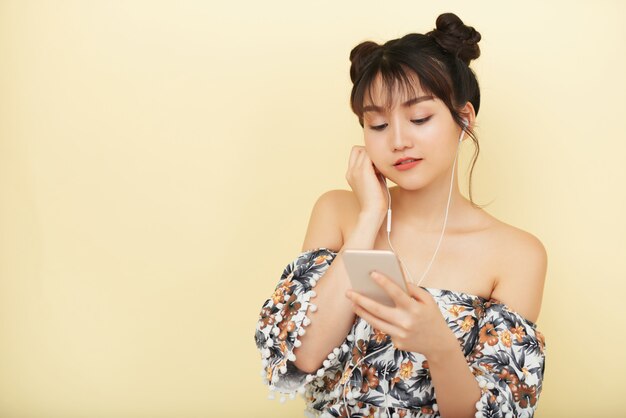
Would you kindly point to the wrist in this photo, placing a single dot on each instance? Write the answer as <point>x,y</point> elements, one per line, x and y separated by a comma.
<point>364,234</point>
<point>372,218</point>
<point>447,346</point>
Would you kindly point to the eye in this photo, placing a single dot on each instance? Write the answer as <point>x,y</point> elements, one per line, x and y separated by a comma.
<point>378,127</point>
<point>420,121</point>
<point>415,121</point>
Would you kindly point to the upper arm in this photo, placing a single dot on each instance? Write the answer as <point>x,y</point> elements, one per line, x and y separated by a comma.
<point>521,287</point>
<point>324,229</point>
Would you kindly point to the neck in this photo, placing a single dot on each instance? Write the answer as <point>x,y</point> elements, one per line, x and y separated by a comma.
<point>424,209</point>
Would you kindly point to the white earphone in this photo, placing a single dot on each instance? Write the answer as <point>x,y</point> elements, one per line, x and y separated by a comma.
<point>465,123</point>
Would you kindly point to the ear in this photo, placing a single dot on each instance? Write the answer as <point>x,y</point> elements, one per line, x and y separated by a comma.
<point>468,113</point>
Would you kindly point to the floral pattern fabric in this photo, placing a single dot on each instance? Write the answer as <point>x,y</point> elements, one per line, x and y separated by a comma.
<point>367,376</point>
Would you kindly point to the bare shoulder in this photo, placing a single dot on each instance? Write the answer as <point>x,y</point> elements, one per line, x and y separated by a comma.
<point>327,220</point>
<point>523,266</point>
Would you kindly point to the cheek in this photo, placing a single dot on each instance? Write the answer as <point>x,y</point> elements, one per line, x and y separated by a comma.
<point>375,151</point>
<point>373,146</point>
<point>438,139</point>
<point>432,131</point>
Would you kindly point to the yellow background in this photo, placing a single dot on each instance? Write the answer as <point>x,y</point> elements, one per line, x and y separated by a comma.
<point>159,161</point>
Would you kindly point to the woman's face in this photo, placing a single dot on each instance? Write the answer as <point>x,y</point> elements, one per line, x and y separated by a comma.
<point>423,128</point>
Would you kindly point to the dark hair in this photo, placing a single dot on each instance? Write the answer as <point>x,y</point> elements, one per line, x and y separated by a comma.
<point>439,58</point>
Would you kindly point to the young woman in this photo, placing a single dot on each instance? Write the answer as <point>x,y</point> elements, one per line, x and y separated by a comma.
<point>463,341</point>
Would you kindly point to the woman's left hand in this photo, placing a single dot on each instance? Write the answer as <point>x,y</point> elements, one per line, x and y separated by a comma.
<point>414,324</point>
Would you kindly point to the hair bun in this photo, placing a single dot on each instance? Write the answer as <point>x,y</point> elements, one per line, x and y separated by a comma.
<point>359,56</point>
<point>456,38</point>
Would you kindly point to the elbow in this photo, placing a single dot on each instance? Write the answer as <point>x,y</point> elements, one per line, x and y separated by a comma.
<point>306,363</point>
<point>305,366</point>
<point>307,357</point>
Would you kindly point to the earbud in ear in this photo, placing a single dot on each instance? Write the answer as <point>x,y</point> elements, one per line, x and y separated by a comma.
<point>465,123</point>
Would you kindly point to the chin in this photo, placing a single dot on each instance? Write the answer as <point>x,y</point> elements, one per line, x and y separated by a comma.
<point>409,183</point>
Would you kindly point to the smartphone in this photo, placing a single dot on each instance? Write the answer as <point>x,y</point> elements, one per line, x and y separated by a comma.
<point>359,264</point>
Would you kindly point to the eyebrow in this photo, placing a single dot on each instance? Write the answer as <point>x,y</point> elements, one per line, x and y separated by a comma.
<point>408,103</point>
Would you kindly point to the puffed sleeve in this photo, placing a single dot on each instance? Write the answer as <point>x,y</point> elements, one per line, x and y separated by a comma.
<point>283,319</point>
<point>508,362</point>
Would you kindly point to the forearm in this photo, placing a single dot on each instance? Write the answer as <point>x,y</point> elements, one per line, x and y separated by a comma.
<point>456,387</point>
<point>320,337</point>
<point>333,318</point>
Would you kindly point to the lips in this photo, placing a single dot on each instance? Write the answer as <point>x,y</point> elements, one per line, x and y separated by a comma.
<point>405,159</point>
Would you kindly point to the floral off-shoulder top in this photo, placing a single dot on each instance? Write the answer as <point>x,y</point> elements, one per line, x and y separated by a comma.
<point>366,376</point>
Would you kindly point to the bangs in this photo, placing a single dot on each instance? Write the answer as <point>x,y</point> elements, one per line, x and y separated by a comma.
<point>391,82</point>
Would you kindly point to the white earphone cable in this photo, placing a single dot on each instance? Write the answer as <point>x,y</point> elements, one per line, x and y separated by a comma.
<point>445,221</point>
<point>407,271</point>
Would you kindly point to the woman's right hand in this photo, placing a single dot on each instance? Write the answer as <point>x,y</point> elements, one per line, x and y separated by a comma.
<point>367,182</point>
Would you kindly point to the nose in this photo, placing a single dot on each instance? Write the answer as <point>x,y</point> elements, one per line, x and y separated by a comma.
<point>399,136</point>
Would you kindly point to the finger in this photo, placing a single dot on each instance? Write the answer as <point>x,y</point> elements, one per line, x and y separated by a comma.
<point>353,156</point>
<point>376,322</point>
<point>383,182</point>
<point>367,161</point>
<point>418,293</point>
<point>384,312</point>
<point>361,156</point>
<point>395,292</point>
